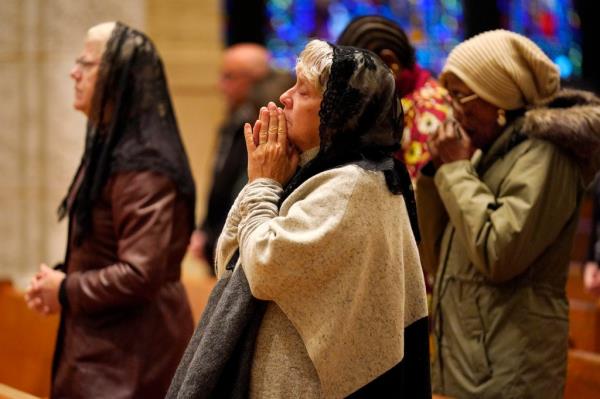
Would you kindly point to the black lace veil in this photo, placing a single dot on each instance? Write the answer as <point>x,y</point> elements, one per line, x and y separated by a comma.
<point>131,127</point>
<point>361,122</point>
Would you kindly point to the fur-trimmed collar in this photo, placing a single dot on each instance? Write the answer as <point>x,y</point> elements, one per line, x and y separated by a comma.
<point>570,120</point>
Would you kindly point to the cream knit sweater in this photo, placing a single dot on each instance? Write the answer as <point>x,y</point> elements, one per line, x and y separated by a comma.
<point>339,264</point>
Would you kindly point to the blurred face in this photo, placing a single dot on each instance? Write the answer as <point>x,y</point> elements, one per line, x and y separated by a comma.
<point>85,73</point>
<point>302,103</point>
<point>391,61</point>
<point>235,82</point>
<point>477,116</point>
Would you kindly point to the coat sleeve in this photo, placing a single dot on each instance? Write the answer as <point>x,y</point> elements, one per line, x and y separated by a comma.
<point>143,206</point>
<point>432,222</point>
<point>504,233</point>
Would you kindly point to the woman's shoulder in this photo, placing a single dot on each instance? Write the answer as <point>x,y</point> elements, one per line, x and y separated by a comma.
<point>339,183</point>
<point>553,151</point>
<point>350,176</point>
<point>355,183</point>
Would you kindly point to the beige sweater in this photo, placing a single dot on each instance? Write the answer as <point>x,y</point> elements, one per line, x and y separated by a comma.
<point>340,266</point>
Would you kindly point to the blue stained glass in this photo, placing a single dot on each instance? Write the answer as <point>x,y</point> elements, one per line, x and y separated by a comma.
<point>434,26</point>
<point>552,24</point>
<point>565,65</point>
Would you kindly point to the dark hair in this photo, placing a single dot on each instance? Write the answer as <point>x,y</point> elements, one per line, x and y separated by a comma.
<point>376,33</point>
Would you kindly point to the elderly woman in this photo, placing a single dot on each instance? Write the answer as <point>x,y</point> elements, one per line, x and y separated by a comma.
<point>498,210</point>
<point>326,298</point>
<point>125,318</point>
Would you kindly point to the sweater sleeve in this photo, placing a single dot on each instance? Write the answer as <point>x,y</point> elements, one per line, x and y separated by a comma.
<point>227,244</point>
<point>276,249</point>
<point>504,233</point>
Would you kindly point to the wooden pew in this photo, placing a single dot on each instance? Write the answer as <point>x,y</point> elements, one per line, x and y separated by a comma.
<point>584,325</point>
<point>584,308</point>
<point>583,367</point>
<point>584,313</point>
<point>583,375</point>
<point>584,228</point>
<point>26,344</point>
<point>575,288</point>
<point>198,285</point>
<point>7,392</point>
<point>27,338</point>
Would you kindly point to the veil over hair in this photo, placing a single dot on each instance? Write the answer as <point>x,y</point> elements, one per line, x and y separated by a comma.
<point>361,122</point>
<point>132,126</point>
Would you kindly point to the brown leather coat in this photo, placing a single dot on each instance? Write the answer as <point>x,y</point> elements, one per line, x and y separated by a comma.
<point>128,320</point>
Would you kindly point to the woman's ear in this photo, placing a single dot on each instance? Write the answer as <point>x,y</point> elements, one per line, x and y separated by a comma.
<point>392,61</point>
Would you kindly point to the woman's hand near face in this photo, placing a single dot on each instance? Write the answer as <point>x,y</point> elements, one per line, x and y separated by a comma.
<point>432,146</point>
<point>450,143</point>
<point>270,155</point>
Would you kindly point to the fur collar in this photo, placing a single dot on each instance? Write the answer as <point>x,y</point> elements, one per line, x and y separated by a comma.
<point>570,120</point>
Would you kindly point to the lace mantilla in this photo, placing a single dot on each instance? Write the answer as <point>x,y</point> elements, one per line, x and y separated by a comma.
<point>132,125</point>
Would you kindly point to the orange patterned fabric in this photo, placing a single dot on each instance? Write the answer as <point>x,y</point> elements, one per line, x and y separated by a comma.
<point>425,108</point>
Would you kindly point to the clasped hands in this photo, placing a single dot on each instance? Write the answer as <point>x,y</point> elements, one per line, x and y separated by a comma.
<point>270,154</point>
<point>42,292</point>
<point>449,143</point>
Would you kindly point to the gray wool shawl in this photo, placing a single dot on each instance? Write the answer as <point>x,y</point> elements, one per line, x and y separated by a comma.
<point>218,358</point>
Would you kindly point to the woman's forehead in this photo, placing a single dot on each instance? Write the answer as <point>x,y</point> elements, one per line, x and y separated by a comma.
<point>301,78</point>
<point>93,47</point>
<point>454,81</point>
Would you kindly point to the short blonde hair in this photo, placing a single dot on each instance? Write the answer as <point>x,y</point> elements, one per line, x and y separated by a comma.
<point>314,63</point>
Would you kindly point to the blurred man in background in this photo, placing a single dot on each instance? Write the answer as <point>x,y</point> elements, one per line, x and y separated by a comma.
<point>247,82</point>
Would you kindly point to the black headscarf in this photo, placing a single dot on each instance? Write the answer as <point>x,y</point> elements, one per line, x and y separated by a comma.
<point>378,33</point>
<point>132,126</point>
<point>361,122</point>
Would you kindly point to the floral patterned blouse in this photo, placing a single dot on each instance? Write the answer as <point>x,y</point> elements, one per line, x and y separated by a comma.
<point>425,108</point>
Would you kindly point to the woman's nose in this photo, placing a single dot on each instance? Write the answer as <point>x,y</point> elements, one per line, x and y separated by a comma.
<point>75,73</point>
<point>286,99</point>
<point>457,109</point>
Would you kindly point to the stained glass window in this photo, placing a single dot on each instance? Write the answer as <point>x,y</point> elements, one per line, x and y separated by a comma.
<point>434,26</point>
<point>552,24</point>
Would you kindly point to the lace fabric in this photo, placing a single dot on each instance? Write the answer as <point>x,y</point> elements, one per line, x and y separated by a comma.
<point>361,122</point>
<point>359,109</point>
<point>132,125</point>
